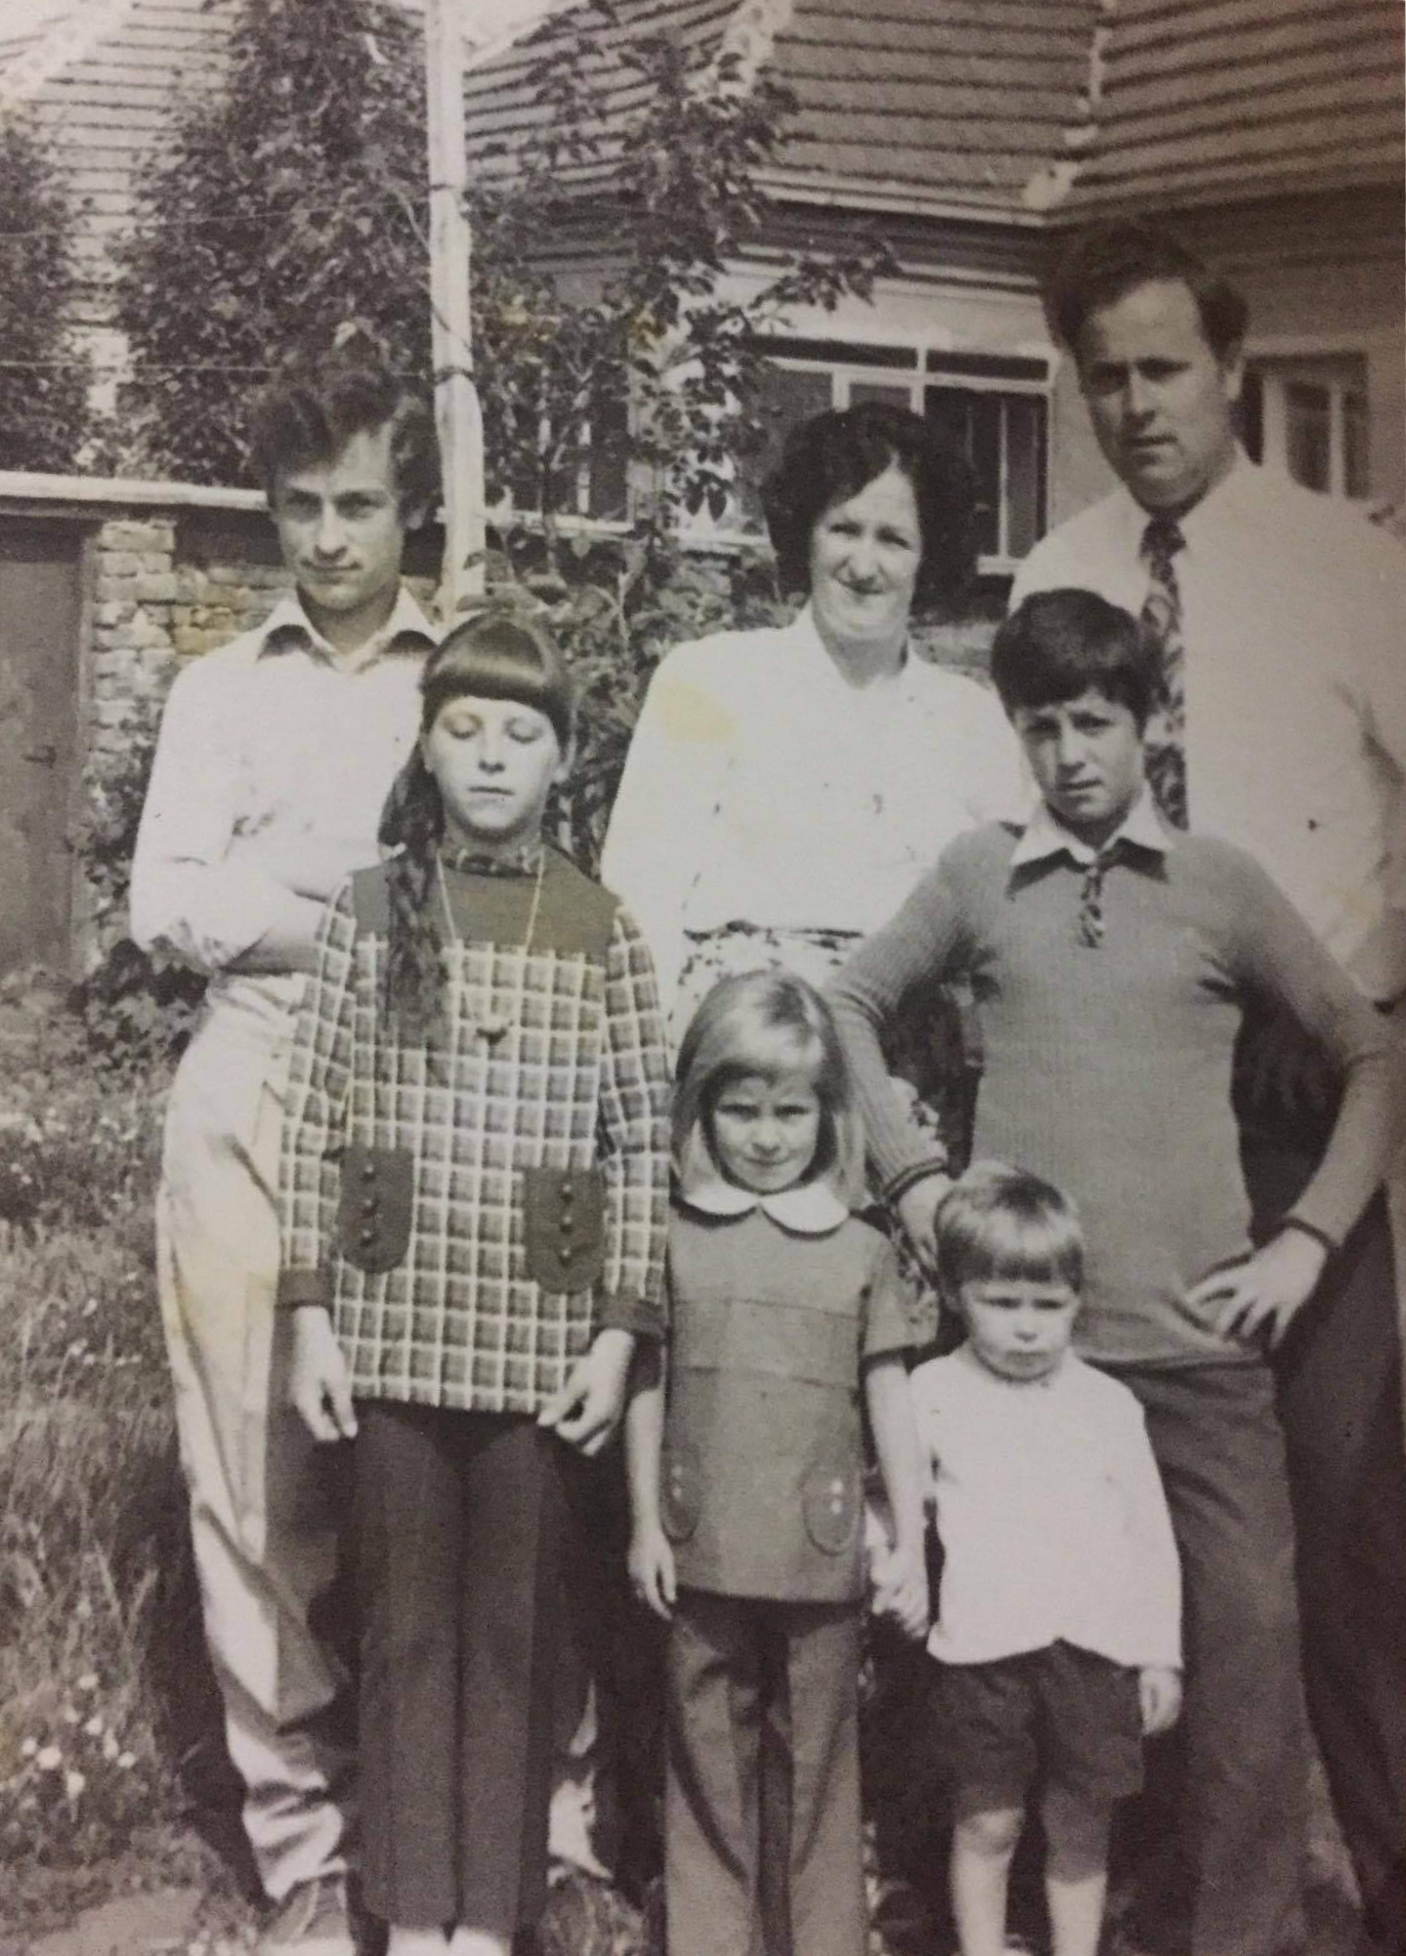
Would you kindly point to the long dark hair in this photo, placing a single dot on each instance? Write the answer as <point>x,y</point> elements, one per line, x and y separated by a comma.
<point>497,655</point>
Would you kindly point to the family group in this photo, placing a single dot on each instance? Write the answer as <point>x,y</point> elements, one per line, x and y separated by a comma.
<point>475,1162</point>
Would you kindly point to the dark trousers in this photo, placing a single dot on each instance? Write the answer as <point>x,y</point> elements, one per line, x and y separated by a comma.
<point>462,1520</point>
<point>742,1672</point>
<point>1228,1790</point>
<point>1339,1379</point>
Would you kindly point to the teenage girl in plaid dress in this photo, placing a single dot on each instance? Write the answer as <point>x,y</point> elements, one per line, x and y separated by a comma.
<point>474,1196</point>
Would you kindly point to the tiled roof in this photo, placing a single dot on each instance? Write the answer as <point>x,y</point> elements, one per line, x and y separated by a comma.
<point>1212,101</point>
<point>105,78</point>
<point>957,101</point>
<point>911,102</point>
<point>967,106</point>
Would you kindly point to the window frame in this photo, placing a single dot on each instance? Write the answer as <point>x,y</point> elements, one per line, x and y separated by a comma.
<point>1275,370</point>
<point>921,365</point>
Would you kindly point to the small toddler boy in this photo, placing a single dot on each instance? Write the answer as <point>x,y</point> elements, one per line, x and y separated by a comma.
<point>1057,1639</point>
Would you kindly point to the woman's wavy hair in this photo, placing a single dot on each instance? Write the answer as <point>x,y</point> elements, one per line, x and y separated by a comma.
<point>831,457</point>
<point>768,1023</point>
<point>498,655</point>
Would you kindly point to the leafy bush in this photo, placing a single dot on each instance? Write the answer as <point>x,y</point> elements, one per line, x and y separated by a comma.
<point>137,1010</point>
<point>43,375</point>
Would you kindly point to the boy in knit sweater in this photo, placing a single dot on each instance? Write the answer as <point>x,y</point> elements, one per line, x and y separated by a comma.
<point>1058,1635</point>
<point>1112,960</point>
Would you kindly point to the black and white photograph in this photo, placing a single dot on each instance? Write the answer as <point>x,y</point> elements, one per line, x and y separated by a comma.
<point>702,978</point>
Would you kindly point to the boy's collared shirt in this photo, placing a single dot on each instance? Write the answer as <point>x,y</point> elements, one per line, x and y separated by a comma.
<point>267,743</point>
<point>1044,836</point>
<point>1051,1514</point>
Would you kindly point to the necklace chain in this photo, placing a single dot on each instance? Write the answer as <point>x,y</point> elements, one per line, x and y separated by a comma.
<point>493,1028</point>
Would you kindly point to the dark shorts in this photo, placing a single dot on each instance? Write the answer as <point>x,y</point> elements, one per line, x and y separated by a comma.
<point>1061,1715</point>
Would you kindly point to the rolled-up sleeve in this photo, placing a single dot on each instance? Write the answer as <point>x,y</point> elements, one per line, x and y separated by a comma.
<point>188,896</point>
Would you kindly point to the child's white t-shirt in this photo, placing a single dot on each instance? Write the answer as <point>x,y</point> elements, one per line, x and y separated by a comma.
<point>1051,1515</point>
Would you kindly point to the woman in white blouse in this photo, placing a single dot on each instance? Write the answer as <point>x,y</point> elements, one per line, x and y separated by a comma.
<point>785,787</point>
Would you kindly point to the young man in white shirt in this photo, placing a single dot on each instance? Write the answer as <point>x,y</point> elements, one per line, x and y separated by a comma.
<point>1284,730</point>
<point>275,755</point>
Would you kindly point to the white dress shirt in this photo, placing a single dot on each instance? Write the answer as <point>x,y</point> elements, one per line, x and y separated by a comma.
<point>269,742</point>
<point>760,787</point>
<point>1294,625</point>
<point>1051,1515</point>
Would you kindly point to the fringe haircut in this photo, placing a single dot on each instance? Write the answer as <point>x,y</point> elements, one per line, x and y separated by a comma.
<point>998,1221</point>
<point>768,1023</point>
<point>497,654</point>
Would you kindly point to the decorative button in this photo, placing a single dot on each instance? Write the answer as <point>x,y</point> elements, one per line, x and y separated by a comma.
<point>368,1171</point>
<point>837,1507</point>
<point>567,1191</point>
<point>368,1235</point>
<point>565,1225</point>
<point>369,1205</point>
<point>837,1487</point>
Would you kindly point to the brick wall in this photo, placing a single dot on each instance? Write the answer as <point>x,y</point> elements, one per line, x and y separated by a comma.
<point>169,586</point>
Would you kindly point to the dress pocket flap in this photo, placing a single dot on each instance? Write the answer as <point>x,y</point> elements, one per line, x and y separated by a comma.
<point>830,1496</point>
<point>564,1227</point>
<point>375,1206</point>
<point>679,1493</point>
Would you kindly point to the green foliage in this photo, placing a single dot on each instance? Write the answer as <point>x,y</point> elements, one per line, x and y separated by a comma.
<point>135,1008</point>
<point>43,376</point>
<point>287,206</point>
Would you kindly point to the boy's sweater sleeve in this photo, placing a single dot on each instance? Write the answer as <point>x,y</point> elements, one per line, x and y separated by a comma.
<point>634,1137</point>
<point>923,944</point>
<point>1282,961</point>
<point>309,1180</point>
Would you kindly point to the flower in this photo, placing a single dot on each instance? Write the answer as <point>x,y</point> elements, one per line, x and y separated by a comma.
<point>29,1748</point>
<point>73,1784</point>
<point>49,1760</point>
<point>110,1746</point>
<point>88,1681</point>
<point>94,1727</point>
<point>126,1761</point>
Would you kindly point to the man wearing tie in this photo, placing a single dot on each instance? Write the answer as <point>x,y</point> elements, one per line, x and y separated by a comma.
<point>1282,727</point>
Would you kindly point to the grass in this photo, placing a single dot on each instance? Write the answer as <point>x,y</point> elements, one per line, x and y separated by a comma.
<point>96,1593</point>
<point>112,1769</point>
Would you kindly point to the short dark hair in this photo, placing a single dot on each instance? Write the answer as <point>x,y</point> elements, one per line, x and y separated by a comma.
<point>1004,1222</point>
<point>832,456</point>
<point>1060,643</point>
<point>316,404</point>
<point>1104,263</point>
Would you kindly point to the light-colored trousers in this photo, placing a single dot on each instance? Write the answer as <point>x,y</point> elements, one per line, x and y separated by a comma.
<point>263,1503</point>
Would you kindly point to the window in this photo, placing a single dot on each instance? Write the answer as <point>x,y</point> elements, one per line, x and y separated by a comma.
<point>1307,418</point>
<point>995,406</point>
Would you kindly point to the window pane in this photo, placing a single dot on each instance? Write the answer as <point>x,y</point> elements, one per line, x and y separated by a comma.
<point>1309,434</point>
<point>872,390</point>
<point>1357,479</point>
<point>788,396</point>
<point>610,435</point>
<point>1025,472</point>
<point>974,423</point>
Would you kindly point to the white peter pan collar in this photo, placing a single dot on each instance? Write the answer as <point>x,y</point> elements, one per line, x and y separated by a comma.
<point>809,1209</point>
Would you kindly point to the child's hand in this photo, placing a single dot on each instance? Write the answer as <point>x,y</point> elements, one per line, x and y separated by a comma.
<point>589,1406</point>
<point>652,1570</point>
<point>1159,1693</point>
<point>320,1387</point>
<point>1266,1291</point>
<point>901,1590</point>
